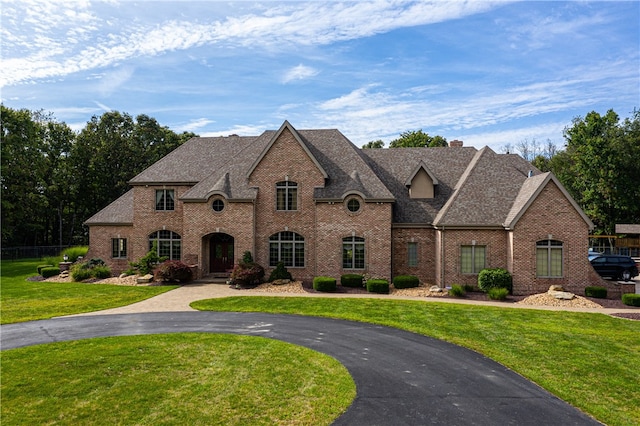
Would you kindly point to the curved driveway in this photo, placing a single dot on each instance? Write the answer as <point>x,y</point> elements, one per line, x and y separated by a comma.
<point>402,378</point>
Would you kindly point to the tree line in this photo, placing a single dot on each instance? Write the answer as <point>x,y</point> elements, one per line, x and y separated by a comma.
<point>53,178</point>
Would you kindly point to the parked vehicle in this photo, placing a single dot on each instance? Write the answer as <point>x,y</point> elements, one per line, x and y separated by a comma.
<point>615,266</point>
<point>593,254</point>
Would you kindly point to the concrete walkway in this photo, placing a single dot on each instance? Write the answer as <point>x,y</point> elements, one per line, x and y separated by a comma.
<point>179,299</point>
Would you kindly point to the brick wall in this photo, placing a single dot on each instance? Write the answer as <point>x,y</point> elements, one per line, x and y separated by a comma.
<point>426,245</point>
<point>100,245</point>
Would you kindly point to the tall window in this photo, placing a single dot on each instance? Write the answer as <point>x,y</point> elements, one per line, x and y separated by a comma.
<point>473,259</point>
<point>412,252</point>
<point>169,244</point>
<point>286,247</point>
<point>165,199</point>
<point>549,259</point>
<point>286,196</point>
<point>119,248</point>
<point>353,253</point>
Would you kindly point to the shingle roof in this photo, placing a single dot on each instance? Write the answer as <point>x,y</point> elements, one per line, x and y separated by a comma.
<point>120,212</point>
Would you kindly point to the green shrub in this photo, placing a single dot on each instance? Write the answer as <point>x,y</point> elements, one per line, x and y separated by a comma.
<point>75,252</point>
<point>631,299</point>
<point>352,280</point>
<point>498,293</point>
<point>597,292</point>
<point>325,284</point>
<point>247,273</point>
<point>457,290</point>
<point>78,273</point>
<point>174,271</point>
<point>406,281</point>
<point>280,273</point>
<point>247,258</point>
<point>495,278</point>
<point>49,272</point>
<point>378,286</point>
<point>101,272</point>
<point>468,288</point>
<point>41,267</point>
<point>149,261</point>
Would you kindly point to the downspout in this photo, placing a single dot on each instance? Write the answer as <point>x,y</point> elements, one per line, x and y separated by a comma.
<point>442,258</point>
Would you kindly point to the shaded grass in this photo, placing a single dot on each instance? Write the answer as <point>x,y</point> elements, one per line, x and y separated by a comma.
<point>22,300</point>
<point>588,360</point>
<point>184,378</point>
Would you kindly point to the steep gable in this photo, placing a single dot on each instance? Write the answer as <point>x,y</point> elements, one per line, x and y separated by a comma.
<point>119,212</point>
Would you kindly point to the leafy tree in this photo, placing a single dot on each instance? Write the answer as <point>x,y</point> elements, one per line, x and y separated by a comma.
<point>601,168</point>
<point>417,139</point>
<point>373,144</point>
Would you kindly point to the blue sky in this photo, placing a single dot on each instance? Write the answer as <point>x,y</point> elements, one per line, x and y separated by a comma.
<point>488,73</point>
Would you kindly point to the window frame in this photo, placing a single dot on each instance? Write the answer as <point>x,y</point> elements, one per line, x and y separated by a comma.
<point>545,251</point>
<point>164,239</point>
<point>412,254</point>
<point>162,202</point>
<point>218,201</point>
<point>475,266</point>
<point>288,201</point>
<point>118,248</point>
<point>357,258</point>
<point>287,247</point>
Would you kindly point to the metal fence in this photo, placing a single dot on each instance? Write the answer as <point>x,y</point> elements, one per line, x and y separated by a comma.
<point>34,252</point>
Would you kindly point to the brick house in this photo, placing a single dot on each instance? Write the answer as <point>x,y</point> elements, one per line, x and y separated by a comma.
<point>311,199</point>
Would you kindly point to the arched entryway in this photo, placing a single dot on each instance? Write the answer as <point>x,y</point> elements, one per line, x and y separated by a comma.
<point>221,253</point>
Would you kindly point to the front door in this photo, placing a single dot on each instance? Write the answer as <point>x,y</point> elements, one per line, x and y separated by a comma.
<point>221,253</point>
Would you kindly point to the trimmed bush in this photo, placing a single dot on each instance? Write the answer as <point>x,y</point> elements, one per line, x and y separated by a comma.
<point>48,272</point>
<point>247,274</point>
<point>101,272</point>
<point>495,278</point>
<point>631,299</point>
<point>174,271</point>
<point>78,273</point>
<point>597,292</point>
<point>92,268</point>
<point>352,280</point>
<point>41,267</point>
<point>280,273</point>
<point>325,284</point>
<point>378,286</point>
<point>498,293</point>
<point>406,281</point>
<point>457,290</point>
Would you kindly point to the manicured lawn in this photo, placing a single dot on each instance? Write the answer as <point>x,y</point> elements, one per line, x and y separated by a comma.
<point>190,379</point>
<point>588,360</point>
<point>22,300</point>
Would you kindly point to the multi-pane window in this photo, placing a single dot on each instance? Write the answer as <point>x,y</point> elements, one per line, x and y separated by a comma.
<point>412,252</point>
<point>119,248</point>
<point>286,196</point>
<point>473,259</point>
<point>169,244</point>
<point>549,259</point>
<point>165,199</point>
<point>353,253</point>
<point>286,247</point>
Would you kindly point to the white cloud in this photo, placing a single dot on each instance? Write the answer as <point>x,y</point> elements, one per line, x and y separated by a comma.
<point>194,125</point>
<point>300,72</point>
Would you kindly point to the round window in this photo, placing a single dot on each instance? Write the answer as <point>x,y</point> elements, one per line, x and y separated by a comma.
<point>353,205</point>
<point>217,205</point>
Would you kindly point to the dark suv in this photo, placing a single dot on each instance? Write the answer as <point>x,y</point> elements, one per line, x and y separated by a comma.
<point>615,266</point>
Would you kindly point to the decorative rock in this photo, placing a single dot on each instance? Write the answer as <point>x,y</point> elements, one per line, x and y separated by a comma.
<point>145,279</point>
<point>555,287</point>
<point>435,289</point>
<point>122,276</point>
<point>563,295</point>
<point>64,274</point>
<point>280,282</point>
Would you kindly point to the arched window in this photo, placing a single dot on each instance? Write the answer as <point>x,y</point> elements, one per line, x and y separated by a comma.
<point>549,259</point>
<point>286,196</point>
<point>353,253</point>
<point>286,247</point>
<point>169,244</point>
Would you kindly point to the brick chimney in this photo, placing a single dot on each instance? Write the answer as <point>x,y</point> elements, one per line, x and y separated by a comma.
<point>455,143</point>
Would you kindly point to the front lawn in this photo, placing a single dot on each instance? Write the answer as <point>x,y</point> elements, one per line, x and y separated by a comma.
<point>588,360</point>
<point>182,378</point>
<point>22,300</point>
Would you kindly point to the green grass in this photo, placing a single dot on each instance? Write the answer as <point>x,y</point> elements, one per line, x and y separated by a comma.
<point>22,300</point>
<point>184,378</point>
<point>588,360</point>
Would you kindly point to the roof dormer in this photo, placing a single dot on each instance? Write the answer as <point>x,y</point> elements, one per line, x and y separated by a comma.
<point>421,182</point>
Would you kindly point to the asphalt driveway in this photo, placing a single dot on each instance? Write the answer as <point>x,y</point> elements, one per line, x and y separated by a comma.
<point>402,378</point>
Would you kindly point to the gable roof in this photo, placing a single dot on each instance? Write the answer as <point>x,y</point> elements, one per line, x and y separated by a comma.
<point>274,138</point>
<point>419,167</point>
<point>530,190</point>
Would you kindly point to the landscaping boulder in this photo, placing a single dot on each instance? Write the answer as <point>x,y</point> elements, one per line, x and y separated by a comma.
<point>435,289</point>
<point>558,292</point>
<point>145,279</point>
